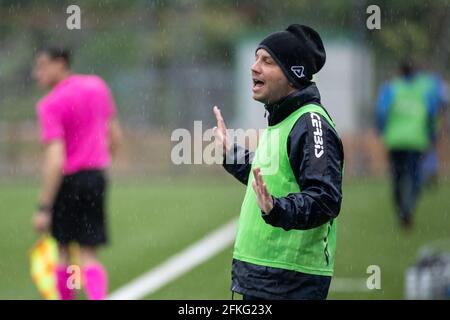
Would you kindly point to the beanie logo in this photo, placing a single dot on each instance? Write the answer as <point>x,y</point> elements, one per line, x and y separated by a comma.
<point>298,71</point>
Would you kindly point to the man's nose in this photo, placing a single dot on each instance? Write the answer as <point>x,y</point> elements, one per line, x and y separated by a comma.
<point>256,67</point>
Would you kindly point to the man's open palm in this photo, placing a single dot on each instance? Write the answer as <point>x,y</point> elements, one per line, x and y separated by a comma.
<point>263,197</point>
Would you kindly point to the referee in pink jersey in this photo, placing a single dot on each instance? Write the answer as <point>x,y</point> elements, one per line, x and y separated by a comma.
<point>80,132</point>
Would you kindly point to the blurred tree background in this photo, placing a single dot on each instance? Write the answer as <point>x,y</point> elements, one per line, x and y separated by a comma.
<point>168,62</point>
<point>122,37</point>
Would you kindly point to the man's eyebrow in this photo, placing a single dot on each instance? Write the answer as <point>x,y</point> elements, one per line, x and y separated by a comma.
<point>263,56</point>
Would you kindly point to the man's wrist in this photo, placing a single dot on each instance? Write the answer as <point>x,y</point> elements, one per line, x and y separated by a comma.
<point>229,154</point>
<point>273,216</point>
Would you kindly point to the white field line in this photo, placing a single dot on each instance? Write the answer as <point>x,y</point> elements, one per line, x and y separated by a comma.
<point>178,264</point>
<point>348,285</point>
<point>195,255</point>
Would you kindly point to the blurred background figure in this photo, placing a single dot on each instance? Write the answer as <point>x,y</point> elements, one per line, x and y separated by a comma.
<point>79,130</point>
<point>407,110</point>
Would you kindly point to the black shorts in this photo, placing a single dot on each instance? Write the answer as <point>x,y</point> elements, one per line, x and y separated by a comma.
<point>79,209</point>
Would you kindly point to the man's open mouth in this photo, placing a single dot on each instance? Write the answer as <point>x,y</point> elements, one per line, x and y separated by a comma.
<point>257,83</point>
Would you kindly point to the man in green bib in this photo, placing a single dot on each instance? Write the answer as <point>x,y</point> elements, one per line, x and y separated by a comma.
<point>407,109</point>
<point>286,239</point>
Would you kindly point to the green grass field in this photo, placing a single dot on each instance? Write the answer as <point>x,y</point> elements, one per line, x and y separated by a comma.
<point>151,221</point>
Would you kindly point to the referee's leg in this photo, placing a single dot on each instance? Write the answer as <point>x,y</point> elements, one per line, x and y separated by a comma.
<point>62,274</point>
<point>95,278</point>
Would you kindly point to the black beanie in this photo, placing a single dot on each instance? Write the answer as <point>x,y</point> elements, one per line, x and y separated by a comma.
<point>298,51</point>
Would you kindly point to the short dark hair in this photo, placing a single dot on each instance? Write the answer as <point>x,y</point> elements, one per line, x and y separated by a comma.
<point>407,66</point>
<point>56,53</point>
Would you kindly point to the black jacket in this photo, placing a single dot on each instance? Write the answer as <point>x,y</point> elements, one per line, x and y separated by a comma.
<point>320,181</point>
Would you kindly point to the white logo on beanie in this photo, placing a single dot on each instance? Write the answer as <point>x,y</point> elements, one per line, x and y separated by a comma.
<point>298,71</point>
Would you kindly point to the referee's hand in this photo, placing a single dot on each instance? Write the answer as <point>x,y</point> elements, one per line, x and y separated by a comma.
<point>41,221</point>
<point>263,197</point>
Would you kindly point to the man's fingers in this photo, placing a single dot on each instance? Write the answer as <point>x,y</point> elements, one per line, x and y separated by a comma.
<point>258,177</point>
<point>219,118</point>
<point>265,191</point>
<point>216,112</point>
<point>259,182</point>
<point>255,188</point>
<point>258,191</point>
<point>255,175</point>
<point>262,193</point>
<point>262,185</point>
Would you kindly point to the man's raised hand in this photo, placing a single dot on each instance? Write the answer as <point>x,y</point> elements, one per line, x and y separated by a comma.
<point>263,197</point>
<point>220,131</point>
